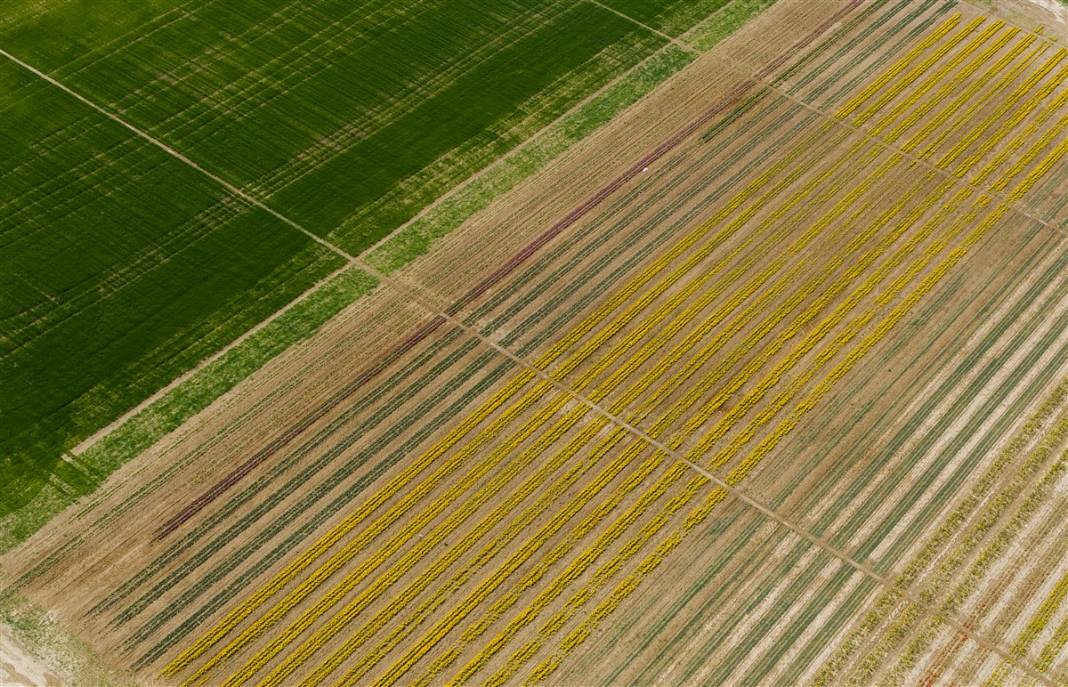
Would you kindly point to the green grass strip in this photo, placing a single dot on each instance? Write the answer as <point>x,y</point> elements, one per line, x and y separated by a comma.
<point>187,399</point>
<point>723,23</point>
<point>416,239</point>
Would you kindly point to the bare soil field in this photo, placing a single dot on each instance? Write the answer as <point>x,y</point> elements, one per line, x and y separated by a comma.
<point>764,383</point>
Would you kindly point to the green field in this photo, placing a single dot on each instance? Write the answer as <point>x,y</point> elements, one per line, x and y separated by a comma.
<point>121,268</point>
<point>124,267</point>
<point>353,116</point>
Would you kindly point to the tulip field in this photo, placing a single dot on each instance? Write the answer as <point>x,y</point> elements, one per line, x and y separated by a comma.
<point>765,382</point>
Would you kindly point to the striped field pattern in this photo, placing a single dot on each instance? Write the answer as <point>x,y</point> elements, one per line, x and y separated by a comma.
<point>783,400</point>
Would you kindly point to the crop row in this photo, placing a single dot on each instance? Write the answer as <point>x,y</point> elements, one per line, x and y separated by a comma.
<point>634,257</point>
<point>880,43</point>
<point>700,513</point>
<point>686,345</point>
<point>591,376</point>
<point>851,528</point>
<point>474,316</point>
<point>880,534</point>
<point>870,8</point>
<point>671,358</point>
<point>820,488</point>
<point>605,362</point>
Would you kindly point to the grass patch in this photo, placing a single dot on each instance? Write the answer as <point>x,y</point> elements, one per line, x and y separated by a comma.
<point>416,238</point>
<point>723,23</point>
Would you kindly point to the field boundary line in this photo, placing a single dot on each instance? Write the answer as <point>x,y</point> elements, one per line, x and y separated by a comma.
<point>666,36</point>
<point>90,441</point>
<point>1014,205</point>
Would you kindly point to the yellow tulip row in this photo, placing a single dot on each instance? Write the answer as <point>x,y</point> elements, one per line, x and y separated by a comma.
<point>748,402</point>
<point>791,279</point>
<point>540,485</point>
<point>380,497</point>
<point>609,569</point>
<point>1056,132</point>
<point>683,318</point>
<point>966,99</point>
<point>291,570</point>
<point>525,553</point>
<point>921,69</point>
<point>987,54</point>
<point>1003,108</point>
<point>757,334</point>
<point>581,532</point>
<point>1053,647</point>
<point>453,497</point>
<point>739,410</point>
<point>902,64</point>
<point>1036,122</point>
<point>773,439</point>
<point>618,299</point>
<point>1020,113</point>
<point>916,106</point>
<point>621,375</point>
<point>627,586</point>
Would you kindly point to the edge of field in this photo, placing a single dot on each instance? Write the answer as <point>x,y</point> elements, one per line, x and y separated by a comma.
<point>302,318</point>
<point>31,631</point>
<point>1048,17</point>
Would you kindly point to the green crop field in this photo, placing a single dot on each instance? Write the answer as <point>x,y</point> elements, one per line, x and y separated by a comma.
<point>120,268</point>
<point>350,116</point>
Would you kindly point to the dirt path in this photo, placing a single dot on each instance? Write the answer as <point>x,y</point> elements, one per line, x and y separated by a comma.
<point>18,667</point>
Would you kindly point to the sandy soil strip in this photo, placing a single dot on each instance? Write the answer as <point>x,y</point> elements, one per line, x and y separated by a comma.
<point>19,667</point>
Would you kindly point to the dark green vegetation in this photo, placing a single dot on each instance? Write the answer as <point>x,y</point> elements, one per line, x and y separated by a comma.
<point>349,117</point>
<point>120,269</point>
<point>186,399</point>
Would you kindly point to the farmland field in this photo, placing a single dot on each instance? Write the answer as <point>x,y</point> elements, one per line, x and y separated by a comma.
<point>761,379</point>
